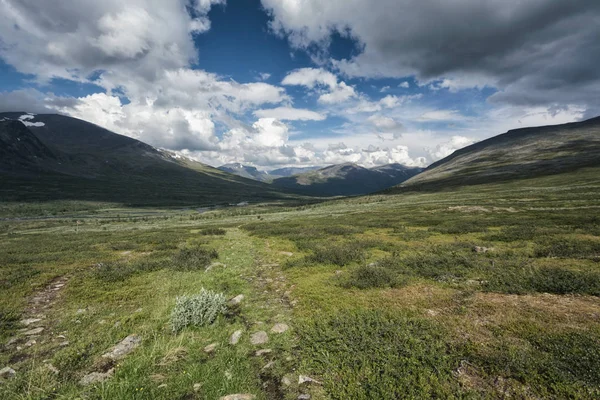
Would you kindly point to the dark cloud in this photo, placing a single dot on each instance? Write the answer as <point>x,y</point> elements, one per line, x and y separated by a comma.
<point>536,52</point>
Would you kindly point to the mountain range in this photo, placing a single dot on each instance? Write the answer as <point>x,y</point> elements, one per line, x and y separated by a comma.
<point>57,157</point>
<point>517,154</point>
<point>250,172</point>
<point>347,179</point>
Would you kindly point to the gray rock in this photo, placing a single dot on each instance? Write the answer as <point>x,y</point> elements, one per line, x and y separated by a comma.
<point>30,343</point>
<point>35,331</point>
<point>163,385</point>
<point>262,352</point>
<point>307,379</point>
<point>30,321</point>
<point>279,328</point>
<point>235,337</point>
<point>285,381</point>
<point>7,373</point>
<point>259,337</point>
<point>96,377</point>
<point>238,396</point>
<point>286,253</point>
<point>305,396</point>
<point>236,300</point>
<point>126,346</point>
<point>211,348</point>
<point>197,387</point>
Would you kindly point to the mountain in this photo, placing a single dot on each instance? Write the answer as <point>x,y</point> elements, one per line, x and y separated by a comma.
<point>246,171</point>
<point>289,171</point>
<point>517,154</point>
<point>54,157</point>
<point>249,172</point>
<point>346,179</point>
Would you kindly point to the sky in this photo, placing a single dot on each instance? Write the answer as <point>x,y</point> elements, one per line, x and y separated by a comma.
<point>273,83</point>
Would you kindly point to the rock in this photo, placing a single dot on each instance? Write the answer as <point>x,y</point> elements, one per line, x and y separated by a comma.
<point>7,373</point>
<point>157,378</point>
<point>236,300</point>
<point>228,375</point>
<point>339,272</point>
<point>30,343</point>
<point>285,381</point>
<point>164,385</point>
<point>197,387</point>
<point>211,348</point>
<point>61,337</point>
<point>35,331</point>
<point>235,337</point>
<point>479,249</point>
<point>30,321</point>
<point>279,328</point>
<point>238,396</point>
<point>80,311</point>
<point>12,341</point>
<point>126,346</point>
<point>305,396</point>
<point>262,352</point>
<point>64,344</point>
<point>259,337</point>
<point>286,253</point>
<point>307,379</point>
<point>96,377</point>
<point>269,365</point>
<point>52,368</point>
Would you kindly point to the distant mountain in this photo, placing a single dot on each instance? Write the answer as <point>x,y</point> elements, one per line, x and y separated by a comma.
<point>289,171</point>
<point>517,154</point>
<point>246,171</point>
<point>249,172</point>
<point>346,179</point>
<point>57,157</point>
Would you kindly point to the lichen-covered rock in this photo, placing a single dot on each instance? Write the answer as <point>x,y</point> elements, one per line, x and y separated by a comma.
<point>259,337</point>
<point>126,346</point>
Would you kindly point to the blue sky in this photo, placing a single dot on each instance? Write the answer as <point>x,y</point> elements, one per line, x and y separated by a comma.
<point>301,82</point>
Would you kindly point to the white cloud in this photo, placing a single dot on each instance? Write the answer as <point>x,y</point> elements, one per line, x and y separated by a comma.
<point>445,149</point>
<point>404,85</point>
<point>319,78</point>
<point>290,114</point>
<point>441,115</point>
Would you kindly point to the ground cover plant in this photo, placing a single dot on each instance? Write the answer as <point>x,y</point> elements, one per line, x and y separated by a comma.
<point>487,293</point>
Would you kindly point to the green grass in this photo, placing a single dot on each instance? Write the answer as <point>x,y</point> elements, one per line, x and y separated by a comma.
<point>385,295</point>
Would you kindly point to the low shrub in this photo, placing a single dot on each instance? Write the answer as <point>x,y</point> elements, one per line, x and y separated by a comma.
<point>366,277</point>
<point>568,248</point>
<point>338,254</point>
<point>213,232</point>
<point>120,271</point>
<point>197,310</point>
<point>514,233</point>
<point>459,227</point>
<point>378,355</point>
<point>193,258</point>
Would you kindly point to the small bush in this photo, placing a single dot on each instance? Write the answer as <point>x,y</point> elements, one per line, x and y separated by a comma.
<point>366,277</point>
<point>120,271</point>
<point>213,232</point>
<point>455,228</point>
<point>198,310</point>
<point>568,248</point>
<point>514,233</point>
<point>194,258</point>
<point>338,254</point>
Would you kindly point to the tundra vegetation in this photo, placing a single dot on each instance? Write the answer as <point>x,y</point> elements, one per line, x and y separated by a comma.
<point>486,291</point>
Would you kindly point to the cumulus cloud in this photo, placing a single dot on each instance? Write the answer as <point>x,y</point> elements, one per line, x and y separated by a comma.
<point>290,114</point>
<point>445,149</point>
<point>311,78</point>
<point>534,52</point>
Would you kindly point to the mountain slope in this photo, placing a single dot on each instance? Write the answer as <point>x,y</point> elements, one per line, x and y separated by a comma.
<point>245,171</point>
<point>66,158</point>
<point>517,154</point>
<point>346,179</point>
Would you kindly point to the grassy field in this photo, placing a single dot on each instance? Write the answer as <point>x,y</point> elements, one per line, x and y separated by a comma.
<point>490,291</point>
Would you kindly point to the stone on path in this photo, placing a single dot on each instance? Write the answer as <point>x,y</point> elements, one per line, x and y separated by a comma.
<point>262,352</point>
<point>7,373</point>
<point>238,396</point>
<point>35,331</point>
<point>96,377</point>
<point>259,337</point>
<point>307,379</point>
<point>235,337</point>
<point>236,300</point>
<point>211,348</point>
<point>30,321</point>
<point>279,328</point>
<point>126,346</point>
